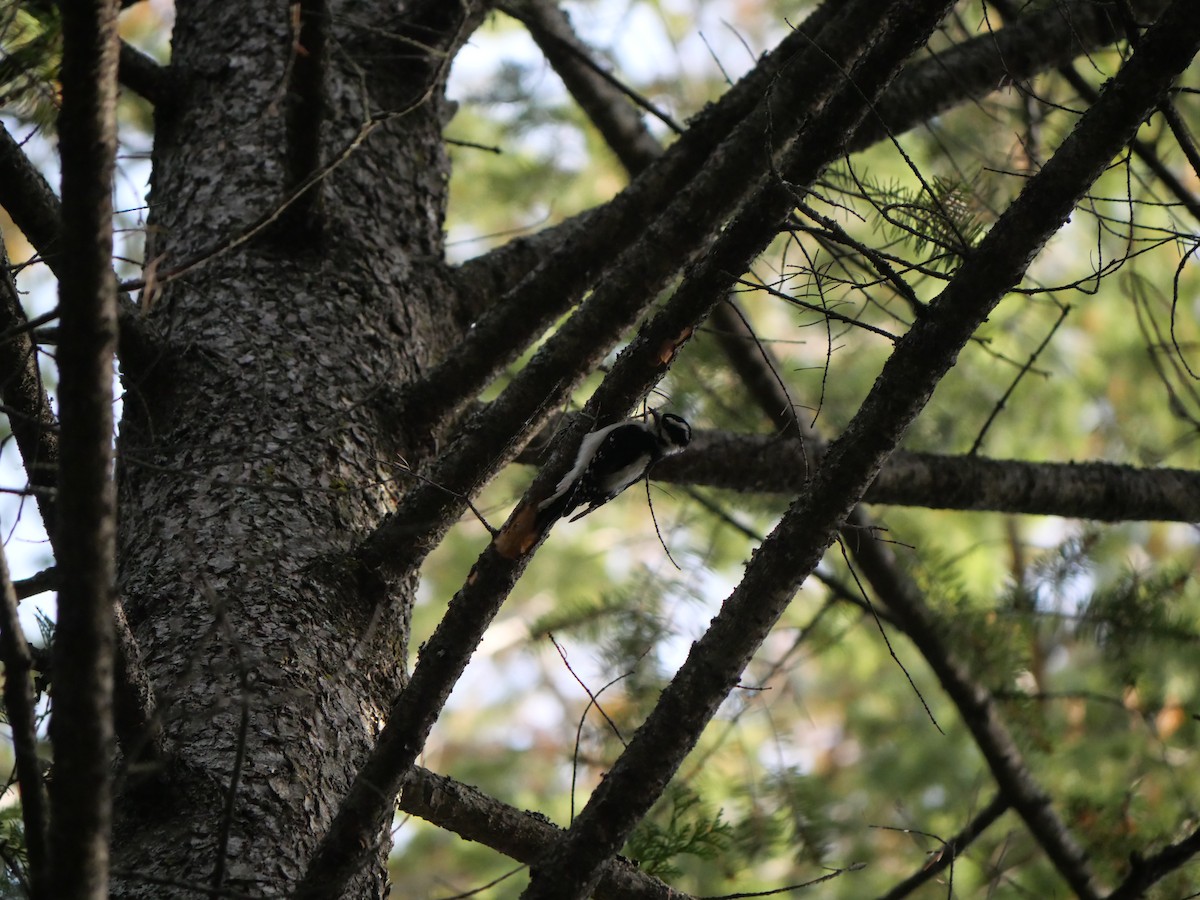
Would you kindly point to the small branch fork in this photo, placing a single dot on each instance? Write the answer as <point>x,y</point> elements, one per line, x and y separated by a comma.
<point>517,834</point>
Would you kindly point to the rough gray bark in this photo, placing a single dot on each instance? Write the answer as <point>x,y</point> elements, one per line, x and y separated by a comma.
<point>249,452</point>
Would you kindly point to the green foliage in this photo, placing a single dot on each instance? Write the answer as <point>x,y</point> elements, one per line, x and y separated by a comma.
<point>679,825</point>
<point>1145,623</point>
<point>803,804</point>
<point>944,217</point>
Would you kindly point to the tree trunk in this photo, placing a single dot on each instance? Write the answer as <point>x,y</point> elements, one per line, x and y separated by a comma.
<point>250,449</point>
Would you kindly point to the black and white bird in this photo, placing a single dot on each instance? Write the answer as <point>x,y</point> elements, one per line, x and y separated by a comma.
<point>612,458</point>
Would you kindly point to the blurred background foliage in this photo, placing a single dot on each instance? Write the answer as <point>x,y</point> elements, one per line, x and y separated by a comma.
<point>828,757</point>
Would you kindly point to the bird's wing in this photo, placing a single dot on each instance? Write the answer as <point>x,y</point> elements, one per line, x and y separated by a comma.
<point>587,449</point>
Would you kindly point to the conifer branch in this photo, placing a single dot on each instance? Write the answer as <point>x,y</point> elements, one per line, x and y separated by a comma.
<point>907,381</point>
<point>1099,491</point>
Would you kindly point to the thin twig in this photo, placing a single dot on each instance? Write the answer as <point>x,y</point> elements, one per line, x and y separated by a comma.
<point>1012,386</point>
<point>951,849</point>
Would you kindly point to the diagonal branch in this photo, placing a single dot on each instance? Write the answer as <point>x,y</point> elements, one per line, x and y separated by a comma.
<point>605,105</point>
<point>519,835</point>
<point>30,416</point>
<point>28,198</point>
<point>918,363</point>
<point>1051,37</point>
<point>946,856</point>
<point>968,72</point>
<point>1146,870</point>
<point>146,78</point>
<point>81,726</point>
<point>401,541</point>
<point>1144,151</point>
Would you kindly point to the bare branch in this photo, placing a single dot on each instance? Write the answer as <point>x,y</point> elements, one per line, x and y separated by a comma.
<point>1183,136</point>
<point>81,727</point>
<point>28,198</point>
<point>145,77</point>
<point>1051,37</point>
<point>1087,490</point>
<point>1144,151</point>
<point>606,104</point>
<point>34,207</point>
<point>45,580</point>
<point>950,850</point>
<point>30,416</point>
<point>517,834</point>
<point>1146,870</point>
